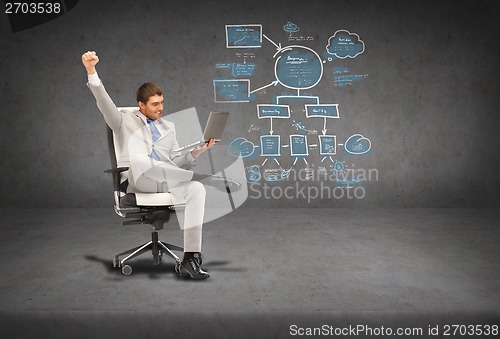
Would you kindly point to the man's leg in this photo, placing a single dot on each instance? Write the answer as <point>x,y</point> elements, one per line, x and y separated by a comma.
<point>194,194</point>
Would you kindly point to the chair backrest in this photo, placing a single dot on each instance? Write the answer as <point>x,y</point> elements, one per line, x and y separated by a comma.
<point>112,149</point>
<point>112,158</point>
<point>126,204</point>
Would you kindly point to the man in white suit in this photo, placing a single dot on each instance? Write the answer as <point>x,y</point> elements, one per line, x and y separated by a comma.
<point>146,144</point>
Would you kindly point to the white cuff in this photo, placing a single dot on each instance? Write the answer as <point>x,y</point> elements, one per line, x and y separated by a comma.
<point>94,79</point>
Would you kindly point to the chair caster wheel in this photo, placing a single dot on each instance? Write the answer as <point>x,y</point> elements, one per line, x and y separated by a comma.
<point>116,262</point>
<point>127,270</point>
<point>177,268</point>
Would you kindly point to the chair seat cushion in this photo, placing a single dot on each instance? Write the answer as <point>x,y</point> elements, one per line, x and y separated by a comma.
<point>151,199</point>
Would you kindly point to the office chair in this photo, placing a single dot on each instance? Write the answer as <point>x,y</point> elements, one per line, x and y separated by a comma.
<point>152,209</point>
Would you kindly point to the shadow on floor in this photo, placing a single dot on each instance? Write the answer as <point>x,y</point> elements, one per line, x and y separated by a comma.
<point>167,267</point>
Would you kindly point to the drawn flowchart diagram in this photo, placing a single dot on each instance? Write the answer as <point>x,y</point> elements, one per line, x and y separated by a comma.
<point>299,69</point>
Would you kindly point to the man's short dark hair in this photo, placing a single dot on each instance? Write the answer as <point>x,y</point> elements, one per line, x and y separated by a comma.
<point>147,90</point>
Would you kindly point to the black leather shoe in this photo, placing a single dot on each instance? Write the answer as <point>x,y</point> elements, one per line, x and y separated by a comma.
<point>190,268</point>
<point>199,258</point>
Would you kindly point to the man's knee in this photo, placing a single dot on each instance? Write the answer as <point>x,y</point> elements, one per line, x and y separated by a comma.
<point>196,188</point>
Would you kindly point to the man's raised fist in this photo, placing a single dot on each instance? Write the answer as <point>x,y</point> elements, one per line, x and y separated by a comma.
<point>89,60</point>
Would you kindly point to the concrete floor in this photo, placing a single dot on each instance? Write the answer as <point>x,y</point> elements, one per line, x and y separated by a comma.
<point>270,269</point>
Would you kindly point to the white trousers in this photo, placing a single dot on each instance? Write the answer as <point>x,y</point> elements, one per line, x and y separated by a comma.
<point>194,193</point>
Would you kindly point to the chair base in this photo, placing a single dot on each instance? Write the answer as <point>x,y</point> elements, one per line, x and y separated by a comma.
<point>157,248</point>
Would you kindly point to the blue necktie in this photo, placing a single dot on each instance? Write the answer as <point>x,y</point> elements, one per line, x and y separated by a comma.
<point>156,135</point>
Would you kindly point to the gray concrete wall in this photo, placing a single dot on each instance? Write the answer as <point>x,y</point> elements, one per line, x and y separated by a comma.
<point>429,103</point>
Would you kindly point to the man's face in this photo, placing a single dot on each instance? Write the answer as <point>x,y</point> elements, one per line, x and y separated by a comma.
<point>153,108</point>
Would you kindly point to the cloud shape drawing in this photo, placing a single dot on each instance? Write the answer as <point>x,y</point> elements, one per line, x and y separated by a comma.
<point>291,27</point>
<point>344,44</point>
<point>241,147</point>
<point>253,174</point>
<point>357,144</point>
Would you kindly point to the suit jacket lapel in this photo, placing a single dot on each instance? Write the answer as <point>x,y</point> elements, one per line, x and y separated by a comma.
<point>167,129</point>
<point>148,136</point>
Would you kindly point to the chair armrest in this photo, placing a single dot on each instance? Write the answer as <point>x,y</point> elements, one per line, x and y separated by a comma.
<point>116,170</point>
<point>115,173</point>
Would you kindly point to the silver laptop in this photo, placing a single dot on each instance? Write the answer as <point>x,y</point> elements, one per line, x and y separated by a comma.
<point>213,129</point>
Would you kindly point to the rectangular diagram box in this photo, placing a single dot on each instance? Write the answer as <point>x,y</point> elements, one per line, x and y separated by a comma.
<point>270,145</point>
<point>327,144</point>
<point>243,36</point>
<point>298,145</point>
<point>233,90</point>
<point>273,111</point>
<point>322,111</point>
<point>301,99</point>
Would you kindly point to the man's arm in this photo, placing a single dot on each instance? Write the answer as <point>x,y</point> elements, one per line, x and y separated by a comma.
<point>107,107</point>
<point>203,148</point>
<point>181,160</point>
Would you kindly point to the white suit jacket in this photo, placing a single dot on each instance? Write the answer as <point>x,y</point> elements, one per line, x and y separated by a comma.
<point>134,143</point>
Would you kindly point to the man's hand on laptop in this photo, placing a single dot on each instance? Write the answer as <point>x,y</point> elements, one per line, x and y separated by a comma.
<point>203,148</point>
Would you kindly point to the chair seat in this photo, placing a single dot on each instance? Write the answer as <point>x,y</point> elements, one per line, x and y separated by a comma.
<point>151,199</point>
